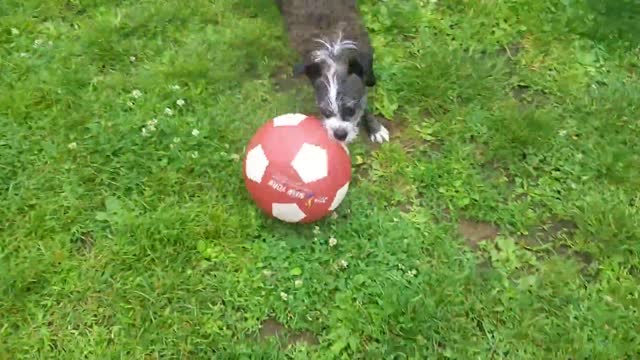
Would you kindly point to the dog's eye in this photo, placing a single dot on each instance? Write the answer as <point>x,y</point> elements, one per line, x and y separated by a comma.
<point>348,111</point>
<point>326,113</point>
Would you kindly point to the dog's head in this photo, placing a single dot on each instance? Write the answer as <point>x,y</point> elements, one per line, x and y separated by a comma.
<point>340,75</point>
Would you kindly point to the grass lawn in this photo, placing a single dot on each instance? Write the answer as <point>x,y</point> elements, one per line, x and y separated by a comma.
<point>502,221</point>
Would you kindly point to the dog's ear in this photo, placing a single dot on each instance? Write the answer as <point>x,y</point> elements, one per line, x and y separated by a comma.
<point>361,66</point>
<point>313,70</point>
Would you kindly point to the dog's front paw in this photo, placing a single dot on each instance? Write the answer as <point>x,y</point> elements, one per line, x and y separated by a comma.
<point>380,136</point>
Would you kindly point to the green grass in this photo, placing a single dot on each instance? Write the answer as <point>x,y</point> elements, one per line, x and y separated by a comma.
<point>511,115</point>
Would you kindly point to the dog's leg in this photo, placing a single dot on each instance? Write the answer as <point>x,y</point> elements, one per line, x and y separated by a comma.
<point>377,132</point>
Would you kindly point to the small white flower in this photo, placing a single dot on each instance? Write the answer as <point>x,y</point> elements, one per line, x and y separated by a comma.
<point>15,31</point>
<point>23,54</point>
<point>343,264</point>
<point>195,132</point>
<point>176,139</point>
<point>412,273</point>
<point>168,111</point>
<point>562,132</point>
<point>235,157</point>
<point>150,127</point>
<point>267,273</point>
<point>180,102</point>
<point>132,59</point>
<point>284,296</point>
<point>136,93</point>
<point>194,154</point>
<point>37,43</point>
<point>316,230</point>
<point>298,283</point>
<point>332,241</point>
<point>130,104</point>
<point>72,146</point>
<point>174,87</point>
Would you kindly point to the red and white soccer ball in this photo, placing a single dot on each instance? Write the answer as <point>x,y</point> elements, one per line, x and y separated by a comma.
<point>294,171</point>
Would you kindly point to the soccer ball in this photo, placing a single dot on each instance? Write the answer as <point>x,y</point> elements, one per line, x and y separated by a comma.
<point>294,171</point>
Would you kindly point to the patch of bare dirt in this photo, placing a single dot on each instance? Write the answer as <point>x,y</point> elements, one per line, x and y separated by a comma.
<point>272,328</point>
<point>549,232</point>
<point>83,242</point>
<point>475,232</point>
<point>361,170</point>
<point>405,207</point>
<point>552,234</point>
<point>519,92</point>
<point>525,95</point>
<point>588,264</point>
<point>444,214</point>
<point>493,169</point>
<point>512,50</point>
<point>582,256</point>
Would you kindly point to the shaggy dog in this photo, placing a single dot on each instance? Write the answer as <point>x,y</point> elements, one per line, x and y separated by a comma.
<point>337,58</point>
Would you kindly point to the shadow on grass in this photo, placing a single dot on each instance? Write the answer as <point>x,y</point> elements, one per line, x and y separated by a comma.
<point>610,20</point>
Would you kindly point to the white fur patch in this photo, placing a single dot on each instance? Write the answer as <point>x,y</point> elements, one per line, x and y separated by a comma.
<point>328,54</point>
<point>333,48</point>
<point>334,123</point>
<point>381,136</point>
<point>332,86</point>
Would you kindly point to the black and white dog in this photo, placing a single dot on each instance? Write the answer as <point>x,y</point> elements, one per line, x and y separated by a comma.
<point>337,58</point>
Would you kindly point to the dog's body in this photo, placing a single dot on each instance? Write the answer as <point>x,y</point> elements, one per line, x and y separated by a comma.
<point>337,58</point>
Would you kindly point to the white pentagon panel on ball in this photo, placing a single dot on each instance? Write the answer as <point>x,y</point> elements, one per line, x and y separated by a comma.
<point>311,163</point>
<point>288,120</point>
<point>287,212</point>
<point>340,194</point>
<point>256,164</point>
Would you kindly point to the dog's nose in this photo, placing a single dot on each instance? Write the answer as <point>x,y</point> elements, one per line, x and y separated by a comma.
<point>340,134</point>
